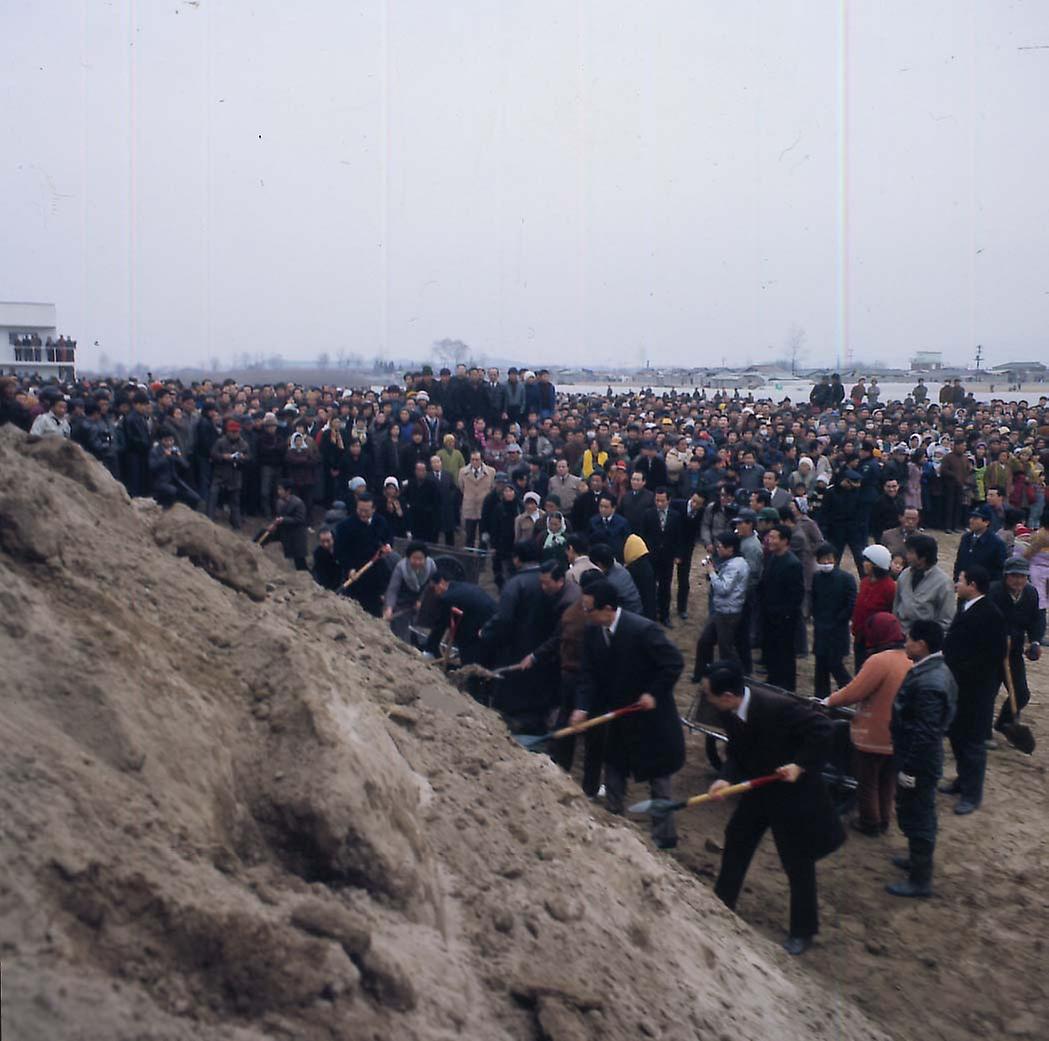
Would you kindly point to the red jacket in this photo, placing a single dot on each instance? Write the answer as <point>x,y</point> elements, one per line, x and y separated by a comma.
<point>874,596</point>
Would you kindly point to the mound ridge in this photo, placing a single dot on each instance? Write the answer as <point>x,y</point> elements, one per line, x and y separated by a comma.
<point>233,806</point>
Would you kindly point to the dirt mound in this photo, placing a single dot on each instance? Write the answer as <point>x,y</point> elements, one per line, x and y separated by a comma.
<point>252,814</point>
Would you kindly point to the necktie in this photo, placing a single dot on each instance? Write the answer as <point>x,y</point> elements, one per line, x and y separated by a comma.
<point>662,521</point>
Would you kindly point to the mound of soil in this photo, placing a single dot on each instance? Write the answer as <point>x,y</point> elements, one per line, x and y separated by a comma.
<point>232,806</point>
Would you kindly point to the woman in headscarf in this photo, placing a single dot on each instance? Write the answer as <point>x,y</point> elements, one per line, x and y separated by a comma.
<point>552,539</point>
<point>408,584</point>
<point>872,693</point>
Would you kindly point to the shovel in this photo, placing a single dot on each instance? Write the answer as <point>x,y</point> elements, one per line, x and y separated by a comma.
<point>360,574</point>
<point>535,742</point>
<point>1020,736</point>
<point>661,807</point>
<point>453,629</point>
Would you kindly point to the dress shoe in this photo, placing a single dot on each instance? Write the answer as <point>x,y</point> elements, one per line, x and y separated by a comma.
<point>902,861</point>
<point>909,888</point>
<point>951,787</point>
<point>797,944</point>
<point>683,615</point>
<point>991,745</point>
<point>667,623</point>
<point>667,846</point>
<point>965,807</point>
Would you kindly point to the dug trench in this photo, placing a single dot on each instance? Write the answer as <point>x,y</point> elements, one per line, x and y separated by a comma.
<point>232,806</point>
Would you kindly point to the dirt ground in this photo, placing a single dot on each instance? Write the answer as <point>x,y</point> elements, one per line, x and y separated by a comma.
<point>962,965</point>
<point>959,966</point>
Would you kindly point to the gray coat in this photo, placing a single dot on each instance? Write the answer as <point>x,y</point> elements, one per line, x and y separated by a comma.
<point>934,598</point>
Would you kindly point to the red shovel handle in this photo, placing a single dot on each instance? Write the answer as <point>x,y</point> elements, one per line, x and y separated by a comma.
<point>626,710</point>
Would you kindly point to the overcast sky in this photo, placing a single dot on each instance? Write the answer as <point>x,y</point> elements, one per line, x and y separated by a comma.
<point>582,182</point>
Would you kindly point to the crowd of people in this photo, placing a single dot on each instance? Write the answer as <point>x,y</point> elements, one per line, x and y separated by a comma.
<point>593,509</point>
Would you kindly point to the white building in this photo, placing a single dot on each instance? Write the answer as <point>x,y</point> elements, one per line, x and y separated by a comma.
<point>28,343</point>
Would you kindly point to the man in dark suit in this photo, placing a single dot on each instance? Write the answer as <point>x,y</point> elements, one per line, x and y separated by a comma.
<point>773,733</point>
<point>608,526</point>
<point>523,619</point>
<point>662,529</point>
<point>691,513</point>
<point>980,545</point>
<point>627,658</point>
<point>781,594</point>
<point>448,495</point>
<point>476,606</point>
<point>585,505</point>
<point>358,540</point>
<point>635,502</point>
<point>974,649</point>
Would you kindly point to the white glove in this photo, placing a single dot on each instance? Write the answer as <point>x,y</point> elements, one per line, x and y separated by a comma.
<point>907,781</point>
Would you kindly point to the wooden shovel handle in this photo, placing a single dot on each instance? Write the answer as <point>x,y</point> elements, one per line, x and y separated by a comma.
<point>599,720</point>
<point>1009,680</point>
<point>735,789</point>
<point>353,578</point>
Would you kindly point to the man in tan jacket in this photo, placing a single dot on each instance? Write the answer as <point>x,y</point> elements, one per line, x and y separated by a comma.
<point>475,481</point>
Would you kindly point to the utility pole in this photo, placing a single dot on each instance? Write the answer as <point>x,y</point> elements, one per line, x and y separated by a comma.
<point>979,356</point>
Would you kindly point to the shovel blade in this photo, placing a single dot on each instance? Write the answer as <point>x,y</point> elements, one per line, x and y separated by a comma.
<point>655,806</point>
<point>533,742</point>
<point>1020,736</point>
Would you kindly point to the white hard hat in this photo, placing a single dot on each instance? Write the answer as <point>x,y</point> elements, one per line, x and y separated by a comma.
<point>879,556</point>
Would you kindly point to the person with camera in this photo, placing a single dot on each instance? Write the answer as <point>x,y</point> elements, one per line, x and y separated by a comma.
<point>727,575</point>
<point>229,454</point>
<point>170,472</point>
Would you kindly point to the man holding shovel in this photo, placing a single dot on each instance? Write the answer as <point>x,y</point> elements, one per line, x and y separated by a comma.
<point>1016,598</point>
<point>771,733</point>
<point>627,659</point>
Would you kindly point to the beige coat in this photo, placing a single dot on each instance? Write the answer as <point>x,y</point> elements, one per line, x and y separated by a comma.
<point>474,488</point>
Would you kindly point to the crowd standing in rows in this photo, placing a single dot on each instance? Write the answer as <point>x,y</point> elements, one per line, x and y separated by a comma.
<point>592,509</point>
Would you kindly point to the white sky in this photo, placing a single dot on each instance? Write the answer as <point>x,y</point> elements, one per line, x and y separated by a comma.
<point>564,181</point>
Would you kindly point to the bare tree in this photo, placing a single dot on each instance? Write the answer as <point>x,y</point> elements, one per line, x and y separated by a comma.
<point>323,360</point>
<point>795,346</point>
<point>451,352</point>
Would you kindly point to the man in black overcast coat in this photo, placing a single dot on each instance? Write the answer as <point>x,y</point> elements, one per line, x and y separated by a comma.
<point>781,593</point>
<point>627,658</point>
<point>773,733</point>
<point>975,648</point>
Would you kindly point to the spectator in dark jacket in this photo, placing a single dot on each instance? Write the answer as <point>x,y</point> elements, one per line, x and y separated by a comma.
<point>638,563</point>
<point>782,591</point>
<point>609,526</point>
<point>137,443</point>
<point>921,713</point>
<point>423,500</point>
<point>833,599</point>
<point>270,449</point>
<point>290,524</point>
<point>635,502</point>
<point>975,648</point>
<point>980,545</point>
